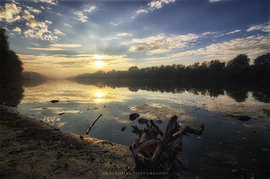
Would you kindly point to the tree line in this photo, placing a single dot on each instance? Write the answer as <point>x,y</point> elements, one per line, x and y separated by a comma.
<point>27,75</point>
<point>237,68</point>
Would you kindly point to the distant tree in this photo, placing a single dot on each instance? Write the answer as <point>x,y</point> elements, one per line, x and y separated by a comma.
<point>216,69</point>
<point>263,60</point>
<point>240,61</point>
<point>10,64</point>
<point>33,76</point>
<point>261,68</point>
<point>133,72</point>
<point>238,67</point>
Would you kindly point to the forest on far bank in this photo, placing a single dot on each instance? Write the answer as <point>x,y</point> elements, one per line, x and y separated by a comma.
<point>237,68</point>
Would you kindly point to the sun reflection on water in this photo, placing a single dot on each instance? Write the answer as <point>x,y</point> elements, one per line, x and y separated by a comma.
<point>99,94</point>
<point>99,97</point>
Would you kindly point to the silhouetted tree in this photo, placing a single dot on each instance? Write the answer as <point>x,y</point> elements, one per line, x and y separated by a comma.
<point>241,61</point>
<point>10,64</point>
<point>261,68</point>
<point>238,67</point>
<point>216,69</point>
<point>10,71</point>
<point>33,76</point>
<point>133,72</point>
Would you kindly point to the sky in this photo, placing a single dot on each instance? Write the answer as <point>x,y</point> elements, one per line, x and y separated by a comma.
<point>62,38</point>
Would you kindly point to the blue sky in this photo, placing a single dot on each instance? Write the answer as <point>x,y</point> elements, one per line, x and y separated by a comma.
<point>63,38</point>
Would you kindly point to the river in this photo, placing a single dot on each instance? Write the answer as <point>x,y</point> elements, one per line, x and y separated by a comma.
<point>224,139</point>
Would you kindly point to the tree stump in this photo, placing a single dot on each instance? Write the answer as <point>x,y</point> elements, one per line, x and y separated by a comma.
<point>155,151</point>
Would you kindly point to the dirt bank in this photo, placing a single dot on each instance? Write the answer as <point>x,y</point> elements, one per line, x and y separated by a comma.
<point>30,148</point>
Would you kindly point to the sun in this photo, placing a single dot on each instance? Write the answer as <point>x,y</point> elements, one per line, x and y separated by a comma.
<point>99,64</point>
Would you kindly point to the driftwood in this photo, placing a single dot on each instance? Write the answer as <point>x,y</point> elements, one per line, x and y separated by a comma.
<point>154,154</point>
<point>93,123</point>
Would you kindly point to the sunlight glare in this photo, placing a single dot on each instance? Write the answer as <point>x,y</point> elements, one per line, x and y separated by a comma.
<point>99,94</point>
<point>99,64</point>
<point>99,57</point>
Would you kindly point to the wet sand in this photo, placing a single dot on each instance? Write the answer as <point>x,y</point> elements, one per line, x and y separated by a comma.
<point>29,148</point>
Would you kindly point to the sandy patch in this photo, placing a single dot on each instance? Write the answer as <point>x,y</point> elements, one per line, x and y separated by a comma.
<point>29,148</point>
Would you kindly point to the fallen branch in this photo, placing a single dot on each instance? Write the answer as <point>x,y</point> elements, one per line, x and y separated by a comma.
<point>87,132</point>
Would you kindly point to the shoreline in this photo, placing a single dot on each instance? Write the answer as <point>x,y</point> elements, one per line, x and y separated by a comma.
<point>31,148</point>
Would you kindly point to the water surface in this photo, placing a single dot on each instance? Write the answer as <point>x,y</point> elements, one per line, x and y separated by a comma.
<point>224,139</point>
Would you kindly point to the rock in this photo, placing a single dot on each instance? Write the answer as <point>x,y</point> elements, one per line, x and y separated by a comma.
<point>193,127</point>
<point>143,120</point>
<point>61,113</point>
<point>133,116</point>
<point>54,101</point>
<point>123,128</point>
<point>241,118</point>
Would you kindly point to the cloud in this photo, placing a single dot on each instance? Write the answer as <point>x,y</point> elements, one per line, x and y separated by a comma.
<point>43,34</point>
<point>220,35</point>
<point>31,22</point>
<point>37,11</point>
<point>10,12</point>
<point>215,0</point>
<point>152,6</point>
<point>116,24</point>
<point>90,9</point>
<point>124,34</point>
<point>80,15</point>
<point>56,31</point>
<point>265,27</point>
<point>233,32</point>
<point>209,33</point>
<point>46,49</point>
<point>56,47</point>
<point>37,29</point>
<point>142,11</point>
<point>251,45</point>
<point>158,4</point>
<point>149,39</point>
<point>49,22</point>
<point>17,29</point>
<point>65,24</point>
<point>66,45</point>
<point>51,2</point>
<point>162,43</point>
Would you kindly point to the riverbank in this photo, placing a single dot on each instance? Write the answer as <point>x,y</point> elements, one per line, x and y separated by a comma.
<point>29,148</point>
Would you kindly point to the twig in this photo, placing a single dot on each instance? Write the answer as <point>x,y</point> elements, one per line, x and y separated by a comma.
<point>93,123</point>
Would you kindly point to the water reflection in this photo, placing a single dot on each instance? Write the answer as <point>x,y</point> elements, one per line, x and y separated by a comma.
<point>237,90</point>
<point>99,96</point>
<point>11,94</point>
<point>33,83</point>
